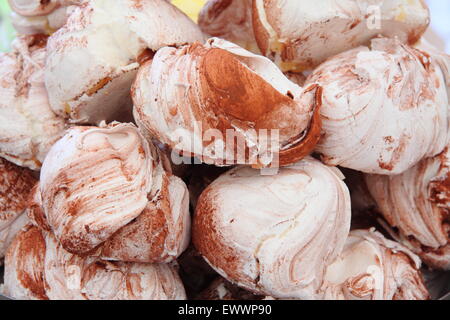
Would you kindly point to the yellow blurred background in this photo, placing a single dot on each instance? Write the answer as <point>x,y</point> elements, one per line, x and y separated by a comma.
<point>190,7</point>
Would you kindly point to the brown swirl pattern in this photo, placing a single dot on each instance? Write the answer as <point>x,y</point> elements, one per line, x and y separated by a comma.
<point>104,192</point>
<point>226,89</point>
<point>28,126</point>
<point>300,34</point>
<point>39,268</point>
<point>416,203</point>
<point>230,20</point>
<point>16,184</point>
<point>108,39</point>
<point>373,268</point>
<point>385,108</point>
<point>274,235</point>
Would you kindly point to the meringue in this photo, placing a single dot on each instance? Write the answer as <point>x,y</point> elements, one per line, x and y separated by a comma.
<point>198,98</point>
<point>28,127</point>
<point>230,20</point>
<point>104,192</point>
<point>93,59</point>
<point>31,8</point>
<point>41,17</point>
<point>274,235</point>
<point>300,34</point>
<point>416,203</point>
<point>384,109</point>
<point>441,58</point>
<point>15,186</point>
<point>38,268</point>
<point>374,268</point>
<point>35,211</point>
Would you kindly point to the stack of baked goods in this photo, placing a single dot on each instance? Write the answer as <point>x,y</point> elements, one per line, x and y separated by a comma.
<point>275,150</point>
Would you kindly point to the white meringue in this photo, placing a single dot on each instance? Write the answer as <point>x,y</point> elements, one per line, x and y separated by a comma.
<point>38,268</point>
<point>185,94</point>
<point>15,186</point>
<point>36,16</point>
<point>93,59</point>
<point>274,235</point>
<point>32,8</point>
<point>441,58</point>
<point>384,108</point>
<point>374,268</point>
<point>416,203</point>
<point>28,127</point>
<point>300,34</point>
<point>230,20</point>
<point>106,189</point>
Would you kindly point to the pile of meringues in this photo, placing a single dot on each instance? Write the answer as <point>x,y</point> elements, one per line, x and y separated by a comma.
<point>97,94</point>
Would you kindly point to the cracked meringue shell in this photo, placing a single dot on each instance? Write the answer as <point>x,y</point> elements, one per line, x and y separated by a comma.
<point>38,268</point>
<point>416,205</point>
<point>183,94</point>
<point>372,267</point>
<point>300,34</point>
<point>16,185</point>
<point>93,59</point>
<point>384,108</point>
<point>28,126</point>
<point>105,192</point>
<point>274,235</point>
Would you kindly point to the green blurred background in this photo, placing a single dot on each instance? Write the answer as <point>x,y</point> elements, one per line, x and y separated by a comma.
<point>6,29</point>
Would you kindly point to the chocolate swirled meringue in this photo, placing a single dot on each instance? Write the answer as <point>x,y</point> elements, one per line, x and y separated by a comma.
<point>198,98</point>
<point>441,58</point>
<point>417,204</point>
<point>105,192</point>
<point>385,108</point>
<point>230,20</point>
<point>16,184</point>
<point>274,235</point>
<point>372,267</point>
<point>31,8</point>
<point>28,126</point>
<point>300,34</point>
<point>41,17</point>
<point>38,268</point>
<point>94,58</point>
